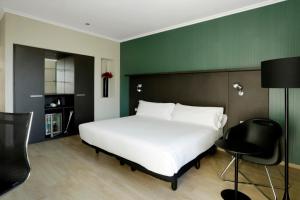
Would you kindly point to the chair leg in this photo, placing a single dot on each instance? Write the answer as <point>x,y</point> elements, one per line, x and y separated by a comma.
<point>197,164</point>
<point>271,184</point>
<point>122,162</point>
<point>174,185</point>
<point>133,169</point>
<point>225,170</point>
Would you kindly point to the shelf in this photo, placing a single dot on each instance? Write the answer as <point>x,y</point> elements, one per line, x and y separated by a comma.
<point>67,107</point>
<point>58,108</point>
<point>53,109</point>
<point>64,82</point>
<point>108,90</point>
<point>58,94</point>
<point>61,135</point>
<point>65,70</point>
<point>58,82</point>
<point>59,69</point>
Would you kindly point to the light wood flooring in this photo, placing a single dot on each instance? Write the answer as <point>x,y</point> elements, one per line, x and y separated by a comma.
<point>67,169</point>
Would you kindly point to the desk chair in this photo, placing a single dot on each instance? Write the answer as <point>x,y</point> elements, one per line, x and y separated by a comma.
<point>14,164</point>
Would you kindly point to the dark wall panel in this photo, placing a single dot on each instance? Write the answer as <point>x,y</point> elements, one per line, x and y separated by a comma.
<point>205,89</point>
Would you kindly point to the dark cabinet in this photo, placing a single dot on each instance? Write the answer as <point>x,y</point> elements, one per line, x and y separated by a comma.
<point>29,94</point>
<point>84,89</point>
<point>29,87</point>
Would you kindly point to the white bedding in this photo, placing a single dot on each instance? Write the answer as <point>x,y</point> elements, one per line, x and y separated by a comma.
<point>160,146</point>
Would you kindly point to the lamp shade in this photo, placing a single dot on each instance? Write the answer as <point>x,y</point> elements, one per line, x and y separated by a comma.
<point>281,73</point>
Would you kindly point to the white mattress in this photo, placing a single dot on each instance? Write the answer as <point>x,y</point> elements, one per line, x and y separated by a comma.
<point>160,146</point>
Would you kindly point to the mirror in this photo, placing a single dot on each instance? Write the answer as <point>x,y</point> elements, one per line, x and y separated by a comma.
<point>59,75</point>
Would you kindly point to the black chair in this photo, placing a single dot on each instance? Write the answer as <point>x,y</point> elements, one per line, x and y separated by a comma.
<point>264,133</point>
<point>14,164</point>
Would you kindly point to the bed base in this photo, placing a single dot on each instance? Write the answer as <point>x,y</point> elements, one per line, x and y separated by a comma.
<point>172,179</point>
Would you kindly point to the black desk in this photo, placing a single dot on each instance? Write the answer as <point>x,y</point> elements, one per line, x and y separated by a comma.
<point>237,148</point>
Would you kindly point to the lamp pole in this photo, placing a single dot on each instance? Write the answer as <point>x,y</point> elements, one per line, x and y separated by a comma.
<point>286,166</point>
<point>282,73</point>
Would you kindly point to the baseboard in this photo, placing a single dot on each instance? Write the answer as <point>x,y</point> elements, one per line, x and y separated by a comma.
<point>291,165</point>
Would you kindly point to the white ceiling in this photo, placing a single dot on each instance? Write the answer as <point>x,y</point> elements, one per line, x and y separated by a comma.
<point>122,20</point>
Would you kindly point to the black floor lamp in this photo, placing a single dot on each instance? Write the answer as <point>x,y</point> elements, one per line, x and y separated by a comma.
<point>282,73</point>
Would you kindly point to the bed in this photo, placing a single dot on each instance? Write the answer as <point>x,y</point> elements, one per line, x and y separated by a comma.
<point>167,145</point>
<point>159,146</point>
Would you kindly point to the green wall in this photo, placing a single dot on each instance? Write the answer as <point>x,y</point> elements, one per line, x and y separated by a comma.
<point>235,41</point>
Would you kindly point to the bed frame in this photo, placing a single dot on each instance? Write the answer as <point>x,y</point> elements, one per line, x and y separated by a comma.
<point>172,179</point>
<point>199,88</point>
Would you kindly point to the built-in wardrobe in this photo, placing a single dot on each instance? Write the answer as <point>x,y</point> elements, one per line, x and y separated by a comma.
<point>57,86</point>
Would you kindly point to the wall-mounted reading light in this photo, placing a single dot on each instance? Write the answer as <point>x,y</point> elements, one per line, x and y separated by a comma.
<point>239,88</point>
<point>139,88</point>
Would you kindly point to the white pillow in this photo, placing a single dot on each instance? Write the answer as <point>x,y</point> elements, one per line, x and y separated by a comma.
<point>207,116</point>
<point>156,110</point>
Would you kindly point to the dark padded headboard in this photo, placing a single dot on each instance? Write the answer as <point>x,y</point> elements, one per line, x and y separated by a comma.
<point>209,88</point>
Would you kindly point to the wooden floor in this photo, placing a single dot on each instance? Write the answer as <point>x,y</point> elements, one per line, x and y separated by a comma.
<point>67,169</point>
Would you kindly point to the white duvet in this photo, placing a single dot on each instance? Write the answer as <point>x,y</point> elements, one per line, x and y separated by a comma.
<point>160,146</point>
